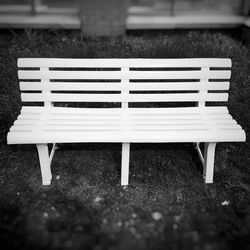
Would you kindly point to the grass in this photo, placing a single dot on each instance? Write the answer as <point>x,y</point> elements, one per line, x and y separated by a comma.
<point>167,205</point>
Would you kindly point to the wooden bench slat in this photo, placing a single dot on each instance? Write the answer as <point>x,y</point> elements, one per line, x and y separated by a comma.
<point>138,118</point>
<point>113,63</point>
<point>67,122</point>
<point>147,127</point>
<point>37,97</point>
<point>153,86</point>
<point>186,127</point>
<point>71,117</point>
<point>37,110</point>
<point>131,137</point>
<point>65,128</point>
<point>131,122</point>
<point>116,75</point>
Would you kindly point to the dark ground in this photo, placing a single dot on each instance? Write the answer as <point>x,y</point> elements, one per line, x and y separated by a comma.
<point>166,206</point>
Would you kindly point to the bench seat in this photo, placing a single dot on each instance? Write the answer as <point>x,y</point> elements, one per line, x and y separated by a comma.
<point>76,125</point>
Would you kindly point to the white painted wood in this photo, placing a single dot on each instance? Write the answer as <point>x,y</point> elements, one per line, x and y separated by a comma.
<point>113,75</point>
<point>124,62</point>
<point>133,127</point>
<point>70,119</point>
<point>203,81</point>
<point>209,155</point>
<point>187,97</point>
<point>81,118</point>
<point>200,154</point>
<point>151,120</point>
<point>36,110</point>
<point>125,83</point>
<point>52,152</point>
<point>135,136</point>
<point>153,86</point>
<point>144,120</point>
<point>125,164</point>
<point>43,154</point>
<point>45,70</point>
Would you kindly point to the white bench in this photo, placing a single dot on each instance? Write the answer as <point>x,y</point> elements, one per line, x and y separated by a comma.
<point>185,86</point>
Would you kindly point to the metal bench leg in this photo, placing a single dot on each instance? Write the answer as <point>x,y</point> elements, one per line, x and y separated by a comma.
<point>209,153</point>
<point>125,164</point>
<point>44,160</point>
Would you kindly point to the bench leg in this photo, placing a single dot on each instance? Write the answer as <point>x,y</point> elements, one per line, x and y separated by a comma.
<point>44,160</point>
<point>125,164</point>
<point>209,154</point>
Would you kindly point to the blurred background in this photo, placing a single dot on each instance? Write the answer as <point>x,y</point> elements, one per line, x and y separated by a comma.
<point>114,17</point>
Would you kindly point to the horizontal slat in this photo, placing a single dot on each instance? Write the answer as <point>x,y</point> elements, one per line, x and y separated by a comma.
<point>180,121</point>
<point>37,110</point>
<point>177,111</point>
<point>154,86</point>
<point>65,128</point>
<point>37,97</point>
<point>106,75</point>
<point>124,62</point>
<point>34,110</point>
<point>174,116</point>
<point>75,122</point>
<point>70,117</point>
<point>130,122</point>
<point>154,127</point>
<point>142,118</point>
<point>157,127</point>
<point>136,136</point>
<point>67,122</point>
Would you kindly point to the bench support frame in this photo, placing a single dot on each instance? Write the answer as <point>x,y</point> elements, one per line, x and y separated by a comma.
<point>45,159</point>
<point>125,164</point>
<point>207,160</point>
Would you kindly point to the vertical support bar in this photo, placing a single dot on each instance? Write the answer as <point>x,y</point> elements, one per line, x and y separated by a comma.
<point>52,152</point>
<point>200,153</point>
<point>203,81</point>
<point>125,146</point>
<point>46,81</point>
<point>125,83</point>
<point>125,164</point>
<point>209,154</point>
<point>43,154</point>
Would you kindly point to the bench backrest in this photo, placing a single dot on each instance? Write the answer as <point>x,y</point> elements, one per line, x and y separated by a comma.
<point>52,81</point>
